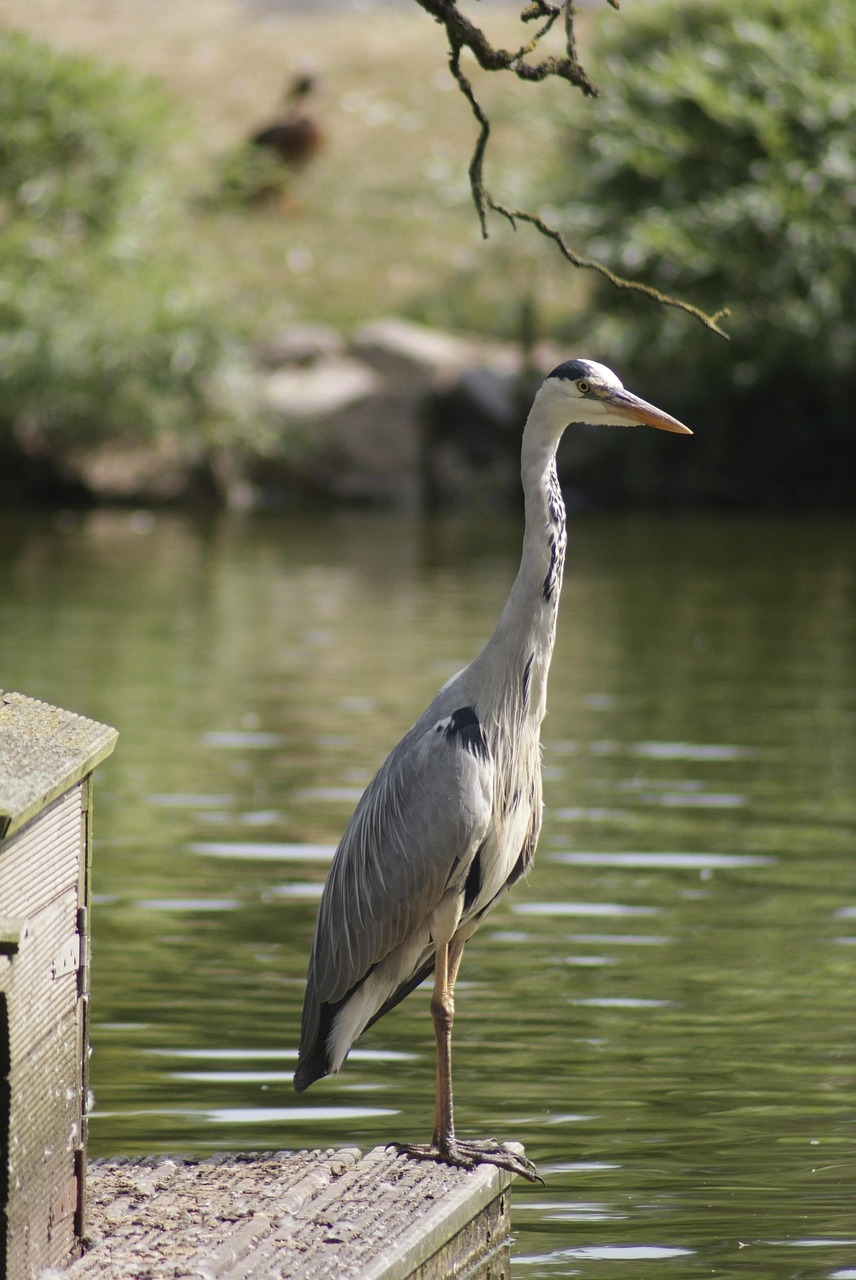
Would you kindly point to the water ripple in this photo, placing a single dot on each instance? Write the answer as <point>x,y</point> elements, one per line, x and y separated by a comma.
<point>263,851</point>
<point>689,861</point>
<point>580,909</point>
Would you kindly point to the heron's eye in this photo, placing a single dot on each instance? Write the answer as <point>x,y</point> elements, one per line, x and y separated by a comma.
<point>583,387</point>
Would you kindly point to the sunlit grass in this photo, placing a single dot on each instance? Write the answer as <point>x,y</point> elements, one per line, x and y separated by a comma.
<point>382,221</point>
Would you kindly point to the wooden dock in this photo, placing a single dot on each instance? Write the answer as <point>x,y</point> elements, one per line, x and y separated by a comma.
<point>47,757</point>
<point>309,1215</point>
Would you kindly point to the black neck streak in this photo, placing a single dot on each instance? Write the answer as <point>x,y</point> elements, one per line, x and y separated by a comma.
<point>556,538</point>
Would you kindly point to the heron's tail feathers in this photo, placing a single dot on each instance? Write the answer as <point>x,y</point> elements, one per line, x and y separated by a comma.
<point>329,1030</point>
<point>313,1060</point>
<point>311,1067</point>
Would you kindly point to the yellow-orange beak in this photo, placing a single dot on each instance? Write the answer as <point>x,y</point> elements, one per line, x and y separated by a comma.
<point>640,412</point>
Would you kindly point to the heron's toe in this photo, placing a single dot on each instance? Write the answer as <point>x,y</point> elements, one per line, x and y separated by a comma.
<point>468,1155</point>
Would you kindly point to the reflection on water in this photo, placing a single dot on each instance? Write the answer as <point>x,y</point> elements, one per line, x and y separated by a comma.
<point>664,1013</point>
<point>265,851</point>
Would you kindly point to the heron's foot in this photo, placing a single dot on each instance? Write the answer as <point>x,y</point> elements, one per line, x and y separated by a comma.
<point>466,1155</point>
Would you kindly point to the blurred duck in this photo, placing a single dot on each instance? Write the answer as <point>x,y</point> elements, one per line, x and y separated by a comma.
<point>297,137</point>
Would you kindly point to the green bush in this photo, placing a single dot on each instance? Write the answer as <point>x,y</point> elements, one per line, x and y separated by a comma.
<point>102,329</point>
<point>720,165</point>
<point>80,144</point>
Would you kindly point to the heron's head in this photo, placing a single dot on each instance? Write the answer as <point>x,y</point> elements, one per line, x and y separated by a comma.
<point>585,391</point>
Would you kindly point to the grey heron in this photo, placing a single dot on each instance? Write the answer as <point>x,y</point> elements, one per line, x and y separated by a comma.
<point>452,817</point>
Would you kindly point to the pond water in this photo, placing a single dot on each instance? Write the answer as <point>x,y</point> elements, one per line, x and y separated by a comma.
<point>664,1013</point>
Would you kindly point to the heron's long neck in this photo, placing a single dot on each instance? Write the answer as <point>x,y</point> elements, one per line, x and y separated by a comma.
<point>517,657</point>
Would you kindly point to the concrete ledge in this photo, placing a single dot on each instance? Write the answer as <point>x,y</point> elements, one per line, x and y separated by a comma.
<point>318,1214</point>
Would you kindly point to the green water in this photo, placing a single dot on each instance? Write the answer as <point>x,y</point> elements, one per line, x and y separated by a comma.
<point>665,1013</point>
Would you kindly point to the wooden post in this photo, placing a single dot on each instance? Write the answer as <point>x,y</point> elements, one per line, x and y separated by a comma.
<point>46,761</point>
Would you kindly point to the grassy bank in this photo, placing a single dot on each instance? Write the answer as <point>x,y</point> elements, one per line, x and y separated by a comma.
<point>382,220</point>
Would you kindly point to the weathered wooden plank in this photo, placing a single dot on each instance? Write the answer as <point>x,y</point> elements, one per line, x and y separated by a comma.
<point>44,1130</point>
<point>301,1216</point>
<point>41,983</point>
<point>40,1219</point>
<point>389,1215</point>
<point>43,859</point>
<point>44,751</point>
<point>45,1084</point>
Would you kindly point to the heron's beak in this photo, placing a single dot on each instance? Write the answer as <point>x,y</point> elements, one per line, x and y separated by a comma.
<point>640,412</point>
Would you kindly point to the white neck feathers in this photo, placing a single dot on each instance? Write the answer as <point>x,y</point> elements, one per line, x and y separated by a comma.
<point>515,662</point>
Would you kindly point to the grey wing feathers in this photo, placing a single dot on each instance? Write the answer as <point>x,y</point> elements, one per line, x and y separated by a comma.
<point>423,816</point>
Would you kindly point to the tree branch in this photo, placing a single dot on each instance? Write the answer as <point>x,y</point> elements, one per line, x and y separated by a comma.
<point>463,34</point>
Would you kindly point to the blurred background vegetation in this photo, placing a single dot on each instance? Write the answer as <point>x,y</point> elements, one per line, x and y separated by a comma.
<point>103,330</point>
<point>720,165</point>
<point>140,272</point>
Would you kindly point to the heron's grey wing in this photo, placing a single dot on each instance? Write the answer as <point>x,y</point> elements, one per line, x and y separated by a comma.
<point>417,826</point>
<point>416,829</point>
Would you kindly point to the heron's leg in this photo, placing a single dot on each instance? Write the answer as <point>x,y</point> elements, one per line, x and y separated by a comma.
<point>448,961</point>
<point>444,1145</point>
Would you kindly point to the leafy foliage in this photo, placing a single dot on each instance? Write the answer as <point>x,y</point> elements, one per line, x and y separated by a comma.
<point>720,164</point>
<point>101,328</point>
<point>80,142</point>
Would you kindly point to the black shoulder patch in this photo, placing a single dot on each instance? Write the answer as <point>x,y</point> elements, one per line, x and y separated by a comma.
<point>464,728</point>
